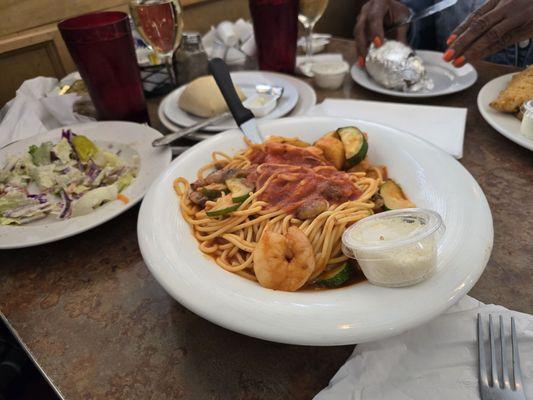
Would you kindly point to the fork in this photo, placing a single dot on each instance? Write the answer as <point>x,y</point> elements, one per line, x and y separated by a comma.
<point>490,385</point>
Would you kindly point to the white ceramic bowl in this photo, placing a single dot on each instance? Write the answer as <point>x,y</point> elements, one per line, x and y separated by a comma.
<point>354,314</point>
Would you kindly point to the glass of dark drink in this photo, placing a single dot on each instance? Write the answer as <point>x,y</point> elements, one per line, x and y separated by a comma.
<point>101,45</point>
<point>276,33</point>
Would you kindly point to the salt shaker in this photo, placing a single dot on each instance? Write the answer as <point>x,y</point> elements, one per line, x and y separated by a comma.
<point>526,128</point>
<point>190,61</point>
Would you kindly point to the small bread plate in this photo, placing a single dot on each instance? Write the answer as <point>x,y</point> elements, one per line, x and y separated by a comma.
<point>305,99</point>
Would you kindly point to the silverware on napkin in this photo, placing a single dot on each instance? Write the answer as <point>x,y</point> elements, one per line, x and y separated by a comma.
<point>491,387</point>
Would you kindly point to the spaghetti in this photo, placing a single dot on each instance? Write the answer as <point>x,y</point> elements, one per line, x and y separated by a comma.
<point>293,186</point>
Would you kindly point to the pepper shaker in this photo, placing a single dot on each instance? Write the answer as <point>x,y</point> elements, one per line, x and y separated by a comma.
<point>190,61</point>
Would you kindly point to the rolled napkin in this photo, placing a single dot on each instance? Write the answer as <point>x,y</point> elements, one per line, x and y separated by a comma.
<point>442,126</point>
<point>37,107</point>
<point>231,41</point>
<point>436,361</point>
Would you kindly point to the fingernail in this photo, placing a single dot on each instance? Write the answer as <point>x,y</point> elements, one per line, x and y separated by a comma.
<point>448,55</point>
<point>451,39</point>
<point>361,62</point>
<point>377,41</point>
<point>459,61</point>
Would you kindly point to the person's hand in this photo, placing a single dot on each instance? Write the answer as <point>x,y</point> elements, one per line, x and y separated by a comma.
<point>494,26</point>
<point>372,22</point>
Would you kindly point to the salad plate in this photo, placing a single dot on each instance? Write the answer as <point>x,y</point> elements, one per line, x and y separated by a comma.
<point>65,181</point>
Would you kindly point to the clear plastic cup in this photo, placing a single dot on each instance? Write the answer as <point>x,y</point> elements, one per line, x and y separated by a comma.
<point>395,248</point>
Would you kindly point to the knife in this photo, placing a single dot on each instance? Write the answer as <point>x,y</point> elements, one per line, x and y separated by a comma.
<point>435,8</point>
<point>242,116</point>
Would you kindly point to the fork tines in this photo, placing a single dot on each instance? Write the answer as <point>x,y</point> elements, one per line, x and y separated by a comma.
<point>495,382</point>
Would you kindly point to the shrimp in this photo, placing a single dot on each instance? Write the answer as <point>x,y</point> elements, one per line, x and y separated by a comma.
<point>284,262</point>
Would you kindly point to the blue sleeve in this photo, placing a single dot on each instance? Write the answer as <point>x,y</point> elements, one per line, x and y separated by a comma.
<point>421,33</point>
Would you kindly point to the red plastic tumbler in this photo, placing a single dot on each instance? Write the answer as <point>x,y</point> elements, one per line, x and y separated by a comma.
<point>276,33</point>
<point>101,45</point>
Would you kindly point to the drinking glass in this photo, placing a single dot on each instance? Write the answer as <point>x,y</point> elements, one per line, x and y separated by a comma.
<point>276,33</point>
<point>101,45</point>
<point>160,23</point>
<point>310,12</point>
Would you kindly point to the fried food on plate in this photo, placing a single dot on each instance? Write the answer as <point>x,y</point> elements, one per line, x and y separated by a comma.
<point>517,92</point>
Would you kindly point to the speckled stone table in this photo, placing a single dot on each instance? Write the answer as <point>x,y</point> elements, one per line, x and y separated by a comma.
<point>100,327</point>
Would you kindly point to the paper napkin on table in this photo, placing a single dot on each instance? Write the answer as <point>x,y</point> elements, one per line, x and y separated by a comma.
<point>36,108</point>
<point>437,361</point>
<point>442,126</point>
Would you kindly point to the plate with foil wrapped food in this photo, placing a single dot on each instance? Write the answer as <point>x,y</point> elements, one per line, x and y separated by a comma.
<point>398,70</point>
<point>501,103</point>
<point>291,240</point>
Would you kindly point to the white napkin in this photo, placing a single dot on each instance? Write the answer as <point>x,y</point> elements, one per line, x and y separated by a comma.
<point>442,126</point>
<point>231,41</point>
<point>437,361</point>
<point>36,108</point>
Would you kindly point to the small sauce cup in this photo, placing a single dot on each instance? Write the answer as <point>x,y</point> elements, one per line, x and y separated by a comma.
<point>261,104</point>
<point>330,74</point>
<point>395,248</point>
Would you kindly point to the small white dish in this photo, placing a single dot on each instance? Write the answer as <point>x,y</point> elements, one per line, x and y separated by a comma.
<point>306,101</point>
<point>446,78</point>
<point>506,124</point>
<point>246,80</point>
<point>329,74</point>
<point>353,314</point>
<point>260,104</point>
<point>131,139</point>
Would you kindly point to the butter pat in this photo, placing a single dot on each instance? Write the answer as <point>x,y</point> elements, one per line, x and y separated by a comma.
<point>395,248</point>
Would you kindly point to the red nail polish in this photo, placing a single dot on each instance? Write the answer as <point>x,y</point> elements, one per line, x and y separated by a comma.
<point>377,41</point>
<point>459,61</point>
<point>448,55</point>
<point>451,39</point>
<point>361,62</point>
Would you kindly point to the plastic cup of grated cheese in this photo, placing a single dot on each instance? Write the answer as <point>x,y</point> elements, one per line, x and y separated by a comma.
<point>395,248</point>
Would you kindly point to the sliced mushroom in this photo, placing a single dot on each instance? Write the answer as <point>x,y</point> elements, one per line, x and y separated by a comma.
<point>198,198</point>
<point>311,208</point>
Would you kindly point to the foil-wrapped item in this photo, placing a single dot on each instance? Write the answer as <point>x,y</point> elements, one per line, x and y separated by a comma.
<point>396,66</point>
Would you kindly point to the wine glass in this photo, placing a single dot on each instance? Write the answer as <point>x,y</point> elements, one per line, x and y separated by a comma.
<point>160,23</point>
<point>310,12</point>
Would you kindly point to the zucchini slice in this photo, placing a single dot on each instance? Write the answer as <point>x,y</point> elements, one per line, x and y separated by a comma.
<point>223,206</point>
<point>335,277</point>
<point>393,196</point>
<point>355,144</point>
<point>214,190</point>
<point>239,189</point>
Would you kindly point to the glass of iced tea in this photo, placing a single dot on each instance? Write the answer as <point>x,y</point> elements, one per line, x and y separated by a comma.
<point>276,33</point>
<point>101,45</point>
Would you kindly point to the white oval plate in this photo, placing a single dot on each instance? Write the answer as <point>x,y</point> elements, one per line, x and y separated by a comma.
<point>353,314</point>
<point>446,78</point>
<point>306,100</point>
<point>246,80</point>
<point>132,139</point>
<point>506,124</point>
